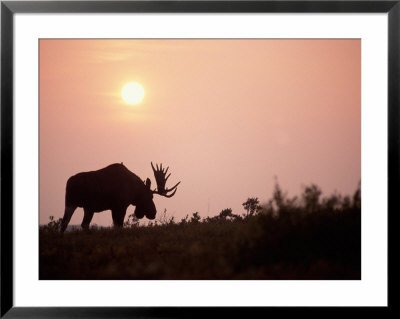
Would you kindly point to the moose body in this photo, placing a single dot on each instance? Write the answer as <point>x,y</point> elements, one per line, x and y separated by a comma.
<point>112,188</point>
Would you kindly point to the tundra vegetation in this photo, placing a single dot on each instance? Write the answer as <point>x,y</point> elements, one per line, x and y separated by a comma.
<point>304,237</point>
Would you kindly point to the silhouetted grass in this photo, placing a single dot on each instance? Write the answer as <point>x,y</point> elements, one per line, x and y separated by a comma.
<point>283,239</point>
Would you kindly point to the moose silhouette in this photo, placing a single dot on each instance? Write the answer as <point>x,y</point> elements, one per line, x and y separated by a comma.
<point>114,188</point>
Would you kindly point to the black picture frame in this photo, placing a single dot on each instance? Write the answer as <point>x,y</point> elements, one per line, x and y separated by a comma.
<point>9,8</point>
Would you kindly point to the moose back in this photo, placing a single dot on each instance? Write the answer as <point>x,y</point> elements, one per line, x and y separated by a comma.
<point>113,188</point>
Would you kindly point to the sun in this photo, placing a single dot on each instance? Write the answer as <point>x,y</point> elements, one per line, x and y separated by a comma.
<point>132,93</point>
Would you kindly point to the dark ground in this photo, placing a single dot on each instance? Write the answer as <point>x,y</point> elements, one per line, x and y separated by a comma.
<point>316,242</point>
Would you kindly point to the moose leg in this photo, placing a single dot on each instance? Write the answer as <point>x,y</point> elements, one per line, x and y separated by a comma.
<point>118,216</point>
<point>69,210</point>
<point>87,218</point>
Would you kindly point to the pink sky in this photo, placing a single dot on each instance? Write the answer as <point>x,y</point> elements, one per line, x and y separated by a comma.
<point>225,115</point>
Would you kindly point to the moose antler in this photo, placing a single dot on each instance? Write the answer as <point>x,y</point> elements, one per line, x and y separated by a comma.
<point>159,174</point>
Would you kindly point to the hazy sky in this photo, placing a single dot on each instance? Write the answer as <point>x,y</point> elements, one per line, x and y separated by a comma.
<point>225,115</point>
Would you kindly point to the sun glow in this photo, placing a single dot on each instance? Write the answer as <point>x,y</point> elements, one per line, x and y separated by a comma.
<point>132,93</point>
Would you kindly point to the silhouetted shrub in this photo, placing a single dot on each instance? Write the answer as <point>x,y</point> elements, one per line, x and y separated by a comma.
<point>184,220</point>
<point>195,219</point>
<point>311,196</point>
<point>225,215</point>
<point>251,205</point>
<point>53,225</point>
<point>132,221</point>
<point>164,219</point>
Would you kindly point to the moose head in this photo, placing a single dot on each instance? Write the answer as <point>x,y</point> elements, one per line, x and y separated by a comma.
<point>145,206</point>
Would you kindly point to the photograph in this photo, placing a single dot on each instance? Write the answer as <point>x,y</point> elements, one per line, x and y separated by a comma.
<point>199,159</point>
